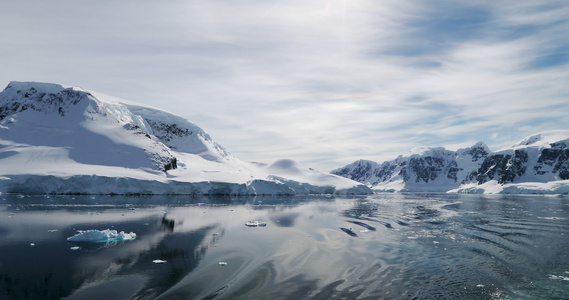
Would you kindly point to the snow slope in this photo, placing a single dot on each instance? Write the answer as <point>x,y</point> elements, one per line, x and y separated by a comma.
<point>57,139</point>
<point>537,164</point>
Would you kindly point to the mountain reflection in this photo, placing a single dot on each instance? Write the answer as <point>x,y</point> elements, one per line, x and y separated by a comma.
<point>48,268</point>
<point>181,252</point>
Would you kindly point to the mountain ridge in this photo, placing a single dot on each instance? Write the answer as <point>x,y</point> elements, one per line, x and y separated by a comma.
<point>533,165</point>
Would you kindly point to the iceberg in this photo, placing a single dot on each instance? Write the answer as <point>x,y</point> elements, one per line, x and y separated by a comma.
<point>159,261</point>
<point>101,236</point>
<point>255,224</point>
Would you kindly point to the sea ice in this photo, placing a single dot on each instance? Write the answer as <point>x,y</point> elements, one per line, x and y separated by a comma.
<point>96,236</point>
<point>255,224</point>
<point>159,261</point>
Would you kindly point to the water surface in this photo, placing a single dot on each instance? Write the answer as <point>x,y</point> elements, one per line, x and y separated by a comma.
<point>388,246</point>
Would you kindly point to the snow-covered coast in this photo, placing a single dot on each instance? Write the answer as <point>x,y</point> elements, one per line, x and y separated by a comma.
<point>57,139</point>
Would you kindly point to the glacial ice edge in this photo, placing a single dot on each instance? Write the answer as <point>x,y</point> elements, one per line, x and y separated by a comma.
<point>104,185</point>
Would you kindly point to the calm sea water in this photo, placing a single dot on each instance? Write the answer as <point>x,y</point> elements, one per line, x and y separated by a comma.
<point>388,246</point>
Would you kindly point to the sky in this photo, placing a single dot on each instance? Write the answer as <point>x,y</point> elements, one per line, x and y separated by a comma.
<point>323,82</point>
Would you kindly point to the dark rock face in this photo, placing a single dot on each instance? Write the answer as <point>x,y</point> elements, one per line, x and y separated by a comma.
<point>166,132</point>
<point>362,171</point>
<point>385,172</point>
<point>491,165</point>
<point>478,151</point>
<point>134,127</point>
<point>173,164</point>
<point>556,157</point>
<point>426,168</point>
<point>453,170</point>
<point>32,99</point>
<point>503,167</point>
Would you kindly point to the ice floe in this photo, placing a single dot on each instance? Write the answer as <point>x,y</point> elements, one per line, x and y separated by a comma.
<point>255,224</point>
<point>97,236</point>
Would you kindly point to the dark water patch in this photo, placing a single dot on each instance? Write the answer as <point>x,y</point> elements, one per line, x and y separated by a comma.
<point>436,222</point>
<point>285,220</point>
<point>329,291</point>
<point>349,231</point>
<point>402,223</point>
<point>387,225</point>
<point>421,213</point>
<point>364,225</point>
<point>454,206</point>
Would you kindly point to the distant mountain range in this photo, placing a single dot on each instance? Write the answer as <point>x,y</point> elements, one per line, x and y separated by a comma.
<point>537,164</point>
<point>57,139</point>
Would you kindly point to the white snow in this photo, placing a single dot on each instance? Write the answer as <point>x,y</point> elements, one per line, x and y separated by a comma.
<point>159,261</point>
<point>543,139</point>
<point>68,140</point>
<point>101,236</point>
<point>255,224</point>
<point>492,187</point>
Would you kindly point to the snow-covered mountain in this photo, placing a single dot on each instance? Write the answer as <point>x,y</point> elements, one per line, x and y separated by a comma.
<point>57,139</point>
<point>537,164</point>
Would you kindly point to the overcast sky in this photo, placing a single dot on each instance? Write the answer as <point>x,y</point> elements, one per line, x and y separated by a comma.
<point>324,82</point>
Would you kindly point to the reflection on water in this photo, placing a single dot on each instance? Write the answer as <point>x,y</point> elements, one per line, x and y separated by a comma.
<point>375,247</point>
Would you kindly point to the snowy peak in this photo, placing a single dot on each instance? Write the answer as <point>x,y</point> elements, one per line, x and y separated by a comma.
<point>177,133</point>
<point>423,151</point>
<point>478,151</point>
<point>16,87</point>
<point>287,166</point>
<point>152,131</point>
<point>40,97</point>
<point>544,139</point>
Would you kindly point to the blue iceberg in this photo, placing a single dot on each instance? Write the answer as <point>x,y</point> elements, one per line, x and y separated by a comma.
<point>101,236</point>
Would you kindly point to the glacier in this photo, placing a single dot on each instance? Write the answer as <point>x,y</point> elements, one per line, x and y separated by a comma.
<point>57,139</point>
<point>539,164</point>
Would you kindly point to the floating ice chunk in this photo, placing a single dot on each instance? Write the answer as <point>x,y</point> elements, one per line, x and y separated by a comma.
<point>75,248</point>
<point>159,261</point>
<point>556,277</point>
<point>255,224</point>
<point>97,236</point>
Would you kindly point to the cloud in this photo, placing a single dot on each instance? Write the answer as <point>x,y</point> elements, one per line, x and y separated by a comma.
<point>324,82</point>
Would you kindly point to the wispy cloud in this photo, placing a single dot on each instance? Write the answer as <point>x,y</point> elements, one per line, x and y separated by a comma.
<point>324,82</point>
